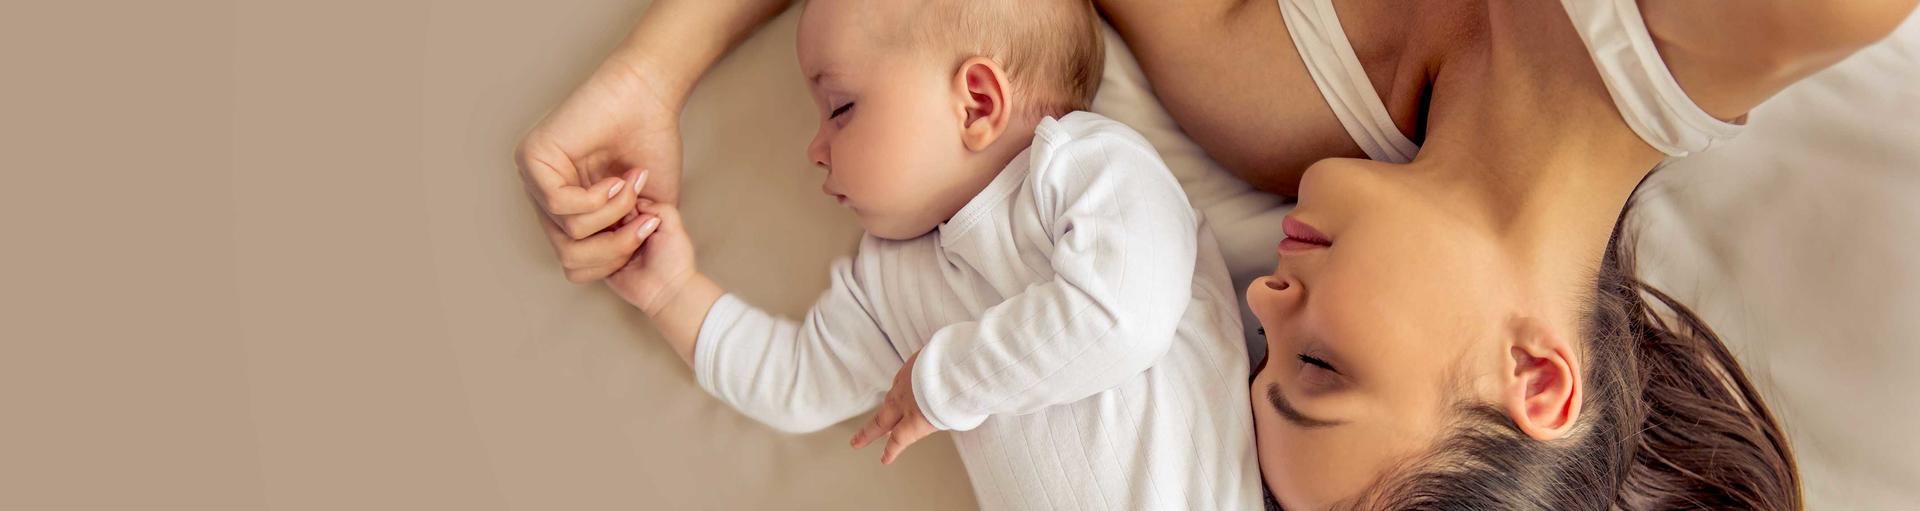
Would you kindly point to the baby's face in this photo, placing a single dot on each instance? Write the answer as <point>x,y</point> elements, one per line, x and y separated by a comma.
<point>890,123</point>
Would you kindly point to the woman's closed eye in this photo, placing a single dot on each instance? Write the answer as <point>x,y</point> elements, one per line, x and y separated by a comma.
<point>1317,374</point>
<point>1316,362</point>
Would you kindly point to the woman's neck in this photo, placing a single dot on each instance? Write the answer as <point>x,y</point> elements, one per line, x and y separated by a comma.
<point>1530,142</point>
<point>1551,196</point>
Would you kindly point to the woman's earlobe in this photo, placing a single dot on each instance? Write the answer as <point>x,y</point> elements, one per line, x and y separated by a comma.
<point>1543,388</point>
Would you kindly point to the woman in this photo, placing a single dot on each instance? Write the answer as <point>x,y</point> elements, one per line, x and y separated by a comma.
<point>1460,329</point>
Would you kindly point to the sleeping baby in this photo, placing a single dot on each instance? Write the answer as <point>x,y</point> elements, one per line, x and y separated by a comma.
<point>1032,279</point>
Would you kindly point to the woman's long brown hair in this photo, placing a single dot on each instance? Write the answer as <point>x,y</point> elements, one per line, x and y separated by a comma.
<point>1671,421</point>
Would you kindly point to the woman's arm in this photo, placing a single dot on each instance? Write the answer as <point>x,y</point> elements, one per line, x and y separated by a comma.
<point>1731,55</point>
<point>616,138</point>
<point>676,41</point>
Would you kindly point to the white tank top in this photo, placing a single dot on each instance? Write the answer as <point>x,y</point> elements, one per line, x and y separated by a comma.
<point>1330,60</point>
<point>1642,88</point>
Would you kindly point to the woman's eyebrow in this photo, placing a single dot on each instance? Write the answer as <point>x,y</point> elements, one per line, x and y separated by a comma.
<point>1287,411</point>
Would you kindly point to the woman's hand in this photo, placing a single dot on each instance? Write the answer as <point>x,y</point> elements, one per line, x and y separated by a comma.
<point>612,142</point>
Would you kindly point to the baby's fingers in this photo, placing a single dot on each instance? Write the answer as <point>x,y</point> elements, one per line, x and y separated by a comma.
<point>908,432</point>
<point>882,422</point>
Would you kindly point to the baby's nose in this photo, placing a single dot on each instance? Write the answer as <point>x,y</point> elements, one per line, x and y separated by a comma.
<point>817,151</point>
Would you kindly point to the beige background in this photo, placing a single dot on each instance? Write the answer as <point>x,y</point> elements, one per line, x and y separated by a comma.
<point>273,254</point>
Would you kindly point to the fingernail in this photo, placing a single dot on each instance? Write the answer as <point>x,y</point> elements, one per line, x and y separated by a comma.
<point>617,185</point>
<point>651,223</point>
<point>642,178</point>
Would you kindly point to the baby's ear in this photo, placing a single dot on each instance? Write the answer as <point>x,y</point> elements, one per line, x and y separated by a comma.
<point>984,97</point>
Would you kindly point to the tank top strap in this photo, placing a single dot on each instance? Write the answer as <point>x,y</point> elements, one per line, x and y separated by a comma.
<point>1336,70</point>
<point>1642,87</point>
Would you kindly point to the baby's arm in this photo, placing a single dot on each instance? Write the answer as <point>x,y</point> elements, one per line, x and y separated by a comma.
<point>662,281</point>
<point>794,376</point>
<point>1124,240</point>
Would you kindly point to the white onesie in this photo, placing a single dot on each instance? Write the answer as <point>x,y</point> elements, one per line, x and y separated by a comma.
<point>1076,328</point>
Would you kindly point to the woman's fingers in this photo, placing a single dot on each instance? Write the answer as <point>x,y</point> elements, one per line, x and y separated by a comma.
<point>644,228</point>
<point>661,209</point>
<point>597,256</point>
<point>549,171</point>
<point>625,191</point>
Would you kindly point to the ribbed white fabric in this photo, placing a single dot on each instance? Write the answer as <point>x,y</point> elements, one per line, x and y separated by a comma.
<point>1076,329</point>
<point>1336,70</point>
<point>1642,87</point>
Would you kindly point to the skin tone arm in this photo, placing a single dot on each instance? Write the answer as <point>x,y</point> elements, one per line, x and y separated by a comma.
<point>1731,55</point>
<point>616,139</point>
<point>663,280</point>
<point>676,41</point>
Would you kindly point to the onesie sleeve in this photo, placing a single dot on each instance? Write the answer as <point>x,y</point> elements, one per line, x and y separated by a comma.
<point>798,376</point>
<point>1123,249</point>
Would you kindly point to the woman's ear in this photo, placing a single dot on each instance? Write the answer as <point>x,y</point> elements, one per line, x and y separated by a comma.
<point>984,100</point>
<point>1542,389</point>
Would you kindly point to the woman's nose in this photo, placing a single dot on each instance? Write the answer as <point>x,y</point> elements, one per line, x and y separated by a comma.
<point>1276,283</point>
<point>1279,293</point>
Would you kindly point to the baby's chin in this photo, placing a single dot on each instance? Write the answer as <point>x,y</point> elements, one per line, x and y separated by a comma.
<point>893,229</point>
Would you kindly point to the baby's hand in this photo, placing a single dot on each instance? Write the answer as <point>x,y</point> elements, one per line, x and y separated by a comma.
<point>662,265</point>
<point>899,418</point>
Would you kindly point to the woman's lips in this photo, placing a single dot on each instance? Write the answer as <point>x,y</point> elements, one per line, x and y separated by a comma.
<point>1302,237</point>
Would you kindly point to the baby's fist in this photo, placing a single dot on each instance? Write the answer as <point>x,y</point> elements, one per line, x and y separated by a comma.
<point>662,265</point>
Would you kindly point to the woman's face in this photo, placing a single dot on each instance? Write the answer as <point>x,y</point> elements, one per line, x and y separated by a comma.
<point>1381,314</point>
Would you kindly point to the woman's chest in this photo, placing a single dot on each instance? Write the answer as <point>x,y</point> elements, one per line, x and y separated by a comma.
<point>1245,87</point>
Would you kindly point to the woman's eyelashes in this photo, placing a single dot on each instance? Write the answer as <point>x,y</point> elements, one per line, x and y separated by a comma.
<point>1316,362</point>
<point>1304,358</point>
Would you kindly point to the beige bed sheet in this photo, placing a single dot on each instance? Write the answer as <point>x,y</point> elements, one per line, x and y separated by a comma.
<point>325,289</point>
<point>571,396</point>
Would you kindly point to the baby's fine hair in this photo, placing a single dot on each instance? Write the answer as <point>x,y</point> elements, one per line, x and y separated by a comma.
<point>1051,49</point>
